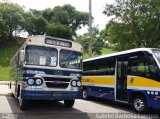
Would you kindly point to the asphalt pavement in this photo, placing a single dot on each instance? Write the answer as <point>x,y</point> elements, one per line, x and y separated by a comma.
<point>82,109</point>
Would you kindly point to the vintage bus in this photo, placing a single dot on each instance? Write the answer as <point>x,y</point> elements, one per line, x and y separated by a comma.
<point>131,76</point>
<point>47,68</point>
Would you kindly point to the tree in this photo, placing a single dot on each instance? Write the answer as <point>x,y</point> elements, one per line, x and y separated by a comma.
<point>11,18</point>
<point>34,24</point>
<point>59,30</point>
<point>63,19</point>
<point>139,21</point>
<point>60,18</point>
<point>97,39</point>
<point>120,36</point>
<point>66,15</point>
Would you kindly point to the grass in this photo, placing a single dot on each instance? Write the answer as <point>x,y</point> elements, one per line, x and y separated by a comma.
<point>4,73</point>
<point>6,53</point>
<point>104,51</point>
<point>107,51</point>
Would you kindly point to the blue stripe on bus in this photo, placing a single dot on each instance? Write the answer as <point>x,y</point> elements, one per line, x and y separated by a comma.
<point>51,72</point>
<point>46,95</point>
<point>148,96</point>
<point>108,93</point>
<point>101,92</point>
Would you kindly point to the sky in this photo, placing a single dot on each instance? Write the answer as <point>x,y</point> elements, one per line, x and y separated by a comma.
<point>81,5</point>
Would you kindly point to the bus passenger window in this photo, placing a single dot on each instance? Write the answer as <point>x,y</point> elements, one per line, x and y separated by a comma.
<point>153,67</point>
<point>100,67</point>
<point>138,66</point>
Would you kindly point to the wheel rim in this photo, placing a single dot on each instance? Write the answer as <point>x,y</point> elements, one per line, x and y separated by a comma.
<point>85,94</point>
<point>20,102</point>
<point>139,104</point>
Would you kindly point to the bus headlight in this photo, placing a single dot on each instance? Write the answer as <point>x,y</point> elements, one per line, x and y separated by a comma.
<point>78,83</point>
<point>30,81</point>
<point>74,83</point>
<point>38,81</point>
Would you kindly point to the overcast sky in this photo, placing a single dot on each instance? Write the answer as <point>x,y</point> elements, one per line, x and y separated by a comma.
<point>80,5</point>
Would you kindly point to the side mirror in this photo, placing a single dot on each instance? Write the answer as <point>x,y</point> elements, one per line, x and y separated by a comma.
<point>22,56</point>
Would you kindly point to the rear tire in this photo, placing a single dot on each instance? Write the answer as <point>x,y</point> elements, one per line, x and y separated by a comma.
<point>139,104</point>
<point>69,103</point>
<point>12,95</point>
<point>85,94</point>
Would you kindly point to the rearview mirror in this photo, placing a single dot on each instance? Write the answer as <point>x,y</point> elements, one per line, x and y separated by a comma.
<point>22,56</point>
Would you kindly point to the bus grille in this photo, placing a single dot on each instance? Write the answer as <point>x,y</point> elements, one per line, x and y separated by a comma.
<point>53,85</point>
<point>57,82</point>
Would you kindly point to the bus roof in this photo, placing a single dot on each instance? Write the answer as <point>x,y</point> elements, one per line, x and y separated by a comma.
<point>42,36</point>
<point>41,40</point>
<point>118,53</point>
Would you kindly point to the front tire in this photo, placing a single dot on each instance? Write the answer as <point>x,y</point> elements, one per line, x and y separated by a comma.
<point>69,103</point>
<point>139,104</point>
<point>22,104</point>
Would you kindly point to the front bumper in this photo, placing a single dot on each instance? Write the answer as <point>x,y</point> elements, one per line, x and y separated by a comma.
<point>50,95</point>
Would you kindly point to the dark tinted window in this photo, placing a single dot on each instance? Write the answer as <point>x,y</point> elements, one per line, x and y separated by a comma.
<point>143,65</point>
<point>100,67</point>
<point>153,68</point>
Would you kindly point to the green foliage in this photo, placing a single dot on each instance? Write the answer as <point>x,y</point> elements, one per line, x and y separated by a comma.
<point>11,17</point>
<point>59,30</point>
<point>64,19</point>
<point>34,24</point>
<point>103,51</point>
<point>6,53</point>
<point>120,36</point>
<point>98,42</point>
<point>66,15</point>
<point>138,23</point>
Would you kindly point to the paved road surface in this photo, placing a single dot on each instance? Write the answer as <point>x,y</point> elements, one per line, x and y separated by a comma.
<point>91,109</point>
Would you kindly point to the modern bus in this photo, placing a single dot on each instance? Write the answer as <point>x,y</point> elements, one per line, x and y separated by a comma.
<point>47,68</point>
<point>131,76</point>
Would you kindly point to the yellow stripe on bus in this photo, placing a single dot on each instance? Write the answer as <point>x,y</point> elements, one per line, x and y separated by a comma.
<point>142,82</point>
<point>109,80</point>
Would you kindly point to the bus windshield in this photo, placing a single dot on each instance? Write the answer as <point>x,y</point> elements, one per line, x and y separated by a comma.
<point>156,52</point>
<point>70,59</point>
<point>41,56</point>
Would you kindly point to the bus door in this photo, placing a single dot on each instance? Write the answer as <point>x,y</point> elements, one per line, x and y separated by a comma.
<point>121,78</point>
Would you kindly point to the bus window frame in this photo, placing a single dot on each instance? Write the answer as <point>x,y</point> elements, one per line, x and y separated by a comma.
<point>41,65</point>
<point>98,69</point>
<point>81,60</point>
<point>145,56</point>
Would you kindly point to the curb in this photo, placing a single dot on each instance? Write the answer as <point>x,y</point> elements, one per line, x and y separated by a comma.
<point>4,82</point>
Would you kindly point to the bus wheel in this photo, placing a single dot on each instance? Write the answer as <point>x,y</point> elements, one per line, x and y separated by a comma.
<point>139,104</point>
<point>85,94</point>
<point>69,103</point>
<point>22,104</point>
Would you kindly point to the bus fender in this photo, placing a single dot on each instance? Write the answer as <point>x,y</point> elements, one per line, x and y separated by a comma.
<point>141,93</point>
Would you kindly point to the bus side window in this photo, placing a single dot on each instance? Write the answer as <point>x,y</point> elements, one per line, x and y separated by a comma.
<point>90,68</point>
<point>132,68</point>
<point>106,66</point>
<point>153,67</point>
<point>138,66</point>
<point>100,67</point>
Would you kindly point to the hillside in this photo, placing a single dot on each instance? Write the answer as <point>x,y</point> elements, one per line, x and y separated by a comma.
<point>6,53</point>
<point>104,51</point>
